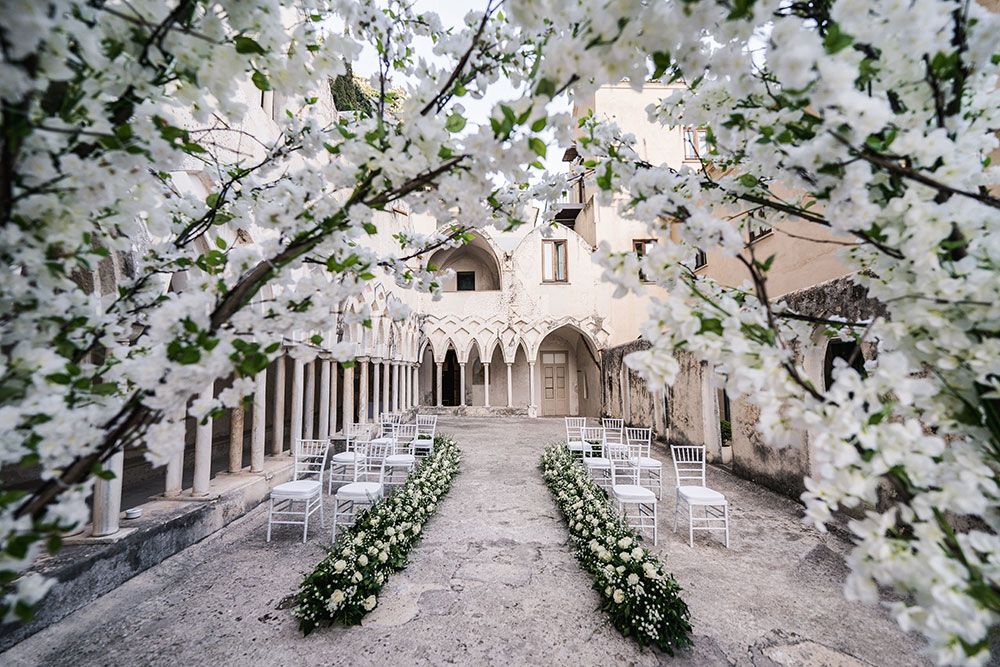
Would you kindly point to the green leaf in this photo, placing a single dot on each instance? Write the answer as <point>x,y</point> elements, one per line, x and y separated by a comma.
<point>748,180</point>
<point>661,63</point>
<point>545,88</point>
<point>836,40</point>
<point>247,45</point>
<point>260,80</point>
<point>539,124</point>
<point>455,123</point>
<point>537,145</point>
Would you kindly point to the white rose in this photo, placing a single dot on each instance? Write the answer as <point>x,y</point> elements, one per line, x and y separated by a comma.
<point>369,603</point>
<point>340,565</point>
<point>363,560</point>
<point>633,579</point>
<point>618,596</point>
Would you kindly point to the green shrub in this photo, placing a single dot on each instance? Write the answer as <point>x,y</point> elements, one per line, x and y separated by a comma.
<point>726,427</point>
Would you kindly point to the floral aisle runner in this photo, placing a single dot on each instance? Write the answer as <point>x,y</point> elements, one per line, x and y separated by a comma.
<point>345,585</point>
<point>639,596</point>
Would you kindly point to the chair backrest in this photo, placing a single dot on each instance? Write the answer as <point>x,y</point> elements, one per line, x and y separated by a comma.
<point>613,422</point>
<point>426,426</point>
<point>689,464</point>
<point>403,438</point>
<point>593,440</point>
<point>356,431</point>
<point>639,438</point>
<point>614,434</point>
<point>614,438</point>
<point>310,459</point>
<point>371,467</point>
<point>573,426</point>
<point>623,469</point>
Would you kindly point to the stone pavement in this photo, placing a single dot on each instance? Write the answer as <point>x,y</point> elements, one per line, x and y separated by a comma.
<point>492,582</point>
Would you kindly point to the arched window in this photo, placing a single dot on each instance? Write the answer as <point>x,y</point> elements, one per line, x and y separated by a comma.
<point>476,266</point>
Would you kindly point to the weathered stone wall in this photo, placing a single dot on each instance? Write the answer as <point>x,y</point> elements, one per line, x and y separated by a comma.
<point>625,394</point>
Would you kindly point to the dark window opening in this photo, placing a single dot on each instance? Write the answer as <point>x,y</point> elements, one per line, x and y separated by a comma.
<point>847,350</point>
<point>466,281</point>
<point>700,259</point>
<point>641,247</point>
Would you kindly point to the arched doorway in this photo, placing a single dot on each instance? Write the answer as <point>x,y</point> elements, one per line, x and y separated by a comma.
<point>568,374</point>
<point>450,380</point>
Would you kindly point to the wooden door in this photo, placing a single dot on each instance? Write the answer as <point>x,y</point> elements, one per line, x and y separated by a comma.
<point>555,383</point>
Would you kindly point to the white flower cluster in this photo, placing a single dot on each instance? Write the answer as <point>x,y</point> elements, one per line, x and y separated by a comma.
<point>829,115</point>
<point>159,230</point>
<point>345,585</point>
<point>641,598</point>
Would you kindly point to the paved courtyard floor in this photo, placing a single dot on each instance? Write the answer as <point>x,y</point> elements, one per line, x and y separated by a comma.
<point>492,582</point>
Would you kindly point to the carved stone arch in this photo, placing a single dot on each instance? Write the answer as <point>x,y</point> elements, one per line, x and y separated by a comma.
<point>570,324</point>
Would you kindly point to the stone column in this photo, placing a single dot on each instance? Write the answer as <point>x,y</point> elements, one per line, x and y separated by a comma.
<point>395,386</point>
<point>236,439</point>
<point>510,385</point>
<point>309,416</point>
<point>259,426</point>
<point>324,400</point>
<point>486,379</point>
<point>376,389</point>
<point>175,472</point>
<point>363,391</point>
<point>440,378</point>
<point>404,385</point>
<point>298,369</point>
<point>278,430</point>
<point>334,381</point>
<point>386,369</point>
<point>416,385</point>
<point>461,383</point>
<point>349,415</point>
<point>106,517</point>
<point>203,450</point>
<point>532,406</point>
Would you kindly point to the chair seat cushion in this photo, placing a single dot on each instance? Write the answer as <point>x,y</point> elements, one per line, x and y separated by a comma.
<point>384,440</point>
<point>300,488</point>
<point>645,462</point>
<point>596,462</point>
<point>575,445</point>
<point>423,443</point>
<point>360,491</point>
<point>397,460</point>
<point>346,457</point>
<point>700,495</point>
<point>633,493</point>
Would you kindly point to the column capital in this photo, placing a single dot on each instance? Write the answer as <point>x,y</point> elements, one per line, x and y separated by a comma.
<point>439,363</point>
<point>361,359</point>
<point>485,363</point>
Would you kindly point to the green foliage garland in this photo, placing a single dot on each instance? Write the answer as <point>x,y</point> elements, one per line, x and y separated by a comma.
<point>345,585</point>
<point>638,595</point>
